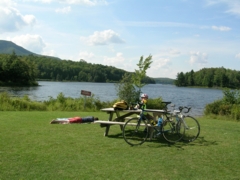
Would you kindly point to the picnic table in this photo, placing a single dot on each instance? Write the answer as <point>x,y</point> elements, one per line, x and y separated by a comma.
<point>121,116</point>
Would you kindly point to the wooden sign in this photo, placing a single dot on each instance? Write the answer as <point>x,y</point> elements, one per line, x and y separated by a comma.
<point>85,93</point>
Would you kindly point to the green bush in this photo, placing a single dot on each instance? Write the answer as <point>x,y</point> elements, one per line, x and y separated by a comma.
<point>235,113</point>
<point>228,106</point>
<point>155,103</point>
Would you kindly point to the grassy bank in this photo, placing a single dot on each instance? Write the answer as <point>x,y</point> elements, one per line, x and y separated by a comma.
<point>31,148</point>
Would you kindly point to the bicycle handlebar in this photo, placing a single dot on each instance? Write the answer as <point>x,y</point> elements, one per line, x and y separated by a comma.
<point>182,108</point>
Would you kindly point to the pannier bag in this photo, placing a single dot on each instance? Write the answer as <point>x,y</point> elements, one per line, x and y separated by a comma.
<point>121,105</point>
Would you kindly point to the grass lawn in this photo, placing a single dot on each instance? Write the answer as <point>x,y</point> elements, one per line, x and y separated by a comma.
<point>31,148</point>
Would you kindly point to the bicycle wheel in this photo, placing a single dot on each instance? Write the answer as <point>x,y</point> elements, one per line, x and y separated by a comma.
<point>192,128</point>
<point>135,132</point>
<point>173,131</point>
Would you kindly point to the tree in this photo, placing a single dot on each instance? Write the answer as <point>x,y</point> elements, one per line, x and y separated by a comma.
<point>180,81</point>
<point>18,70</point>
<point>140,74</point>
<point>129,88</point>
<point>190,78</point>
<point>125,89</point>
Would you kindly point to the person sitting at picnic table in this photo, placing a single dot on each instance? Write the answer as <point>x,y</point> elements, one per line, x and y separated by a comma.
<point>143,105</point>
<point>87,119</point>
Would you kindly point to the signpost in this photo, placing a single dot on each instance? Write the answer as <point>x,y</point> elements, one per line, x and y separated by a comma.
<point>85,93</point>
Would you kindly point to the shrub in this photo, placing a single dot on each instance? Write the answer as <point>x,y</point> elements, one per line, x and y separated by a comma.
<point>213,108</point>
<point>155,103</point>
<point>235,112</point>
<point>228,106</point>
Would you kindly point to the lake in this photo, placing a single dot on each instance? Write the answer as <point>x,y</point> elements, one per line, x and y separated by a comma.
<point>197,98</point>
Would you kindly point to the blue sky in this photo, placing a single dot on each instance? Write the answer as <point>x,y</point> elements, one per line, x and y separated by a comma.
<point>181,35</point>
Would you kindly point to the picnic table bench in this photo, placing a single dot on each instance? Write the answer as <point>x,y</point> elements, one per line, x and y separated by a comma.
<point>122,116</point>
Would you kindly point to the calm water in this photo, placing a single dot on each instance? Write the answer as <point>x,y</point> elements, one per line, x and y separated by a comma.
<point>197,98</point>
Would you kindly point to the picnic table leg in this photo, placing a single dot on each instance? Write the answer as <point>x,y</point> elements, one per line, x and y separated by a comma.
<point>151,130</point>
<point>108,126</point>
<point>118,115</point>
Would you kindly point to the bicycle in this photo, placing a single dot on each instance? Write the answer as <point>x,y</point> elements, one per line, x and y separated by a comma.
<point>191,125</point>
<point>136,130</point>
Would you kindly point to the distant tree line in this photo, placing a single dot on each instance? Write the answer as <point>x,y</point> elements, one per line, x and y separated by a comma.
<point>29,68</point>
<point>164,80</point>
<point>209,77</point>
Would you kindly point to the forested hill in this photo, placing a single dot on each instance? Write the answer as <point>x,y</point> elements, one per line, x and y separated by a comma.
<point>46,68</point>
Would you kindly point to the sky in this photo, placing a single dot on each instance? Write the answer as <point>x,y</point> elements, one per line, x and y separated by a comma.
<point>181,35</point>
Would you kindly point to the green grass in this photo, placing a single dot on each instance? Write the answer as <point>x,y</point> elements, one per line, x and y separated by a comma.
<point>31,148</point>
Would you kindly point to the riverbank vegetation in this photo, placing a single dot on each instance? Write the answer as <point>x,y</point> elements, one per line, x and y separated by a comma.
<point>226,108</point>
<point>61,103</point>
<point>210,77</point>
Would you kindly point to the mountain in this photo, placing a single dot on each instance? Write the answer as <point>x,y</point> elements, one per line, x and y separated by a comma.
<point>7,47</point>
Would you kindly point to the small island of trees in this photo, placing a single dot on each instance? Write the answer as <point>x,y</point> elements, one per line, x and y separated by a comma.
<point>209,77</point>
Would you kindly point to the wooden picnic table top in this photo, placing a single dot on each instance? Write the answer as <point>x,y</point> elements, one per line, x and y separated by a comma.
<point>134,111</point>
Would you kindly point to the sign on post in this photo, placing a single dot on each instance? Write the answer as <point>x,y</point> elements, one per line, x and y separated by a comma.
<point>85,93</point>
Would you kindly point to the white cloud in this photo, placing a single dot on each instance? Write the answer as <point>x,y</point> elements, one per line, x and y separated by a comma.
<point>33,43</point>
<point>103,38</point>
<point>198,58</point>
<point>116,61</point>
<point>238,56</point>
<point>64,10</point>
<point>221,28</point>
<point>12,20</point>
<point>160,63</point>
<point>233,6</point>
<point>6,3</point>
<point>50,53</point>
<point>87,56</point>
<point>168,53</point>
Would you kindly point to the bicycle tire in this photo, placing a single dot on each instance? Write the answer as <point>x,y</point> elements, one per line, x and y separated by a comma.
<point>135,132</point>
<point>192,129</point>
<point>173,131</point>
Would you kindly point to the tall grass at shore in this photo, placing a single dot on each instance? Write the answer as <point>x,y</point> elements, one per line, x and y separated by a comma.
<point>61,103</point>
<point>31,148</point>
